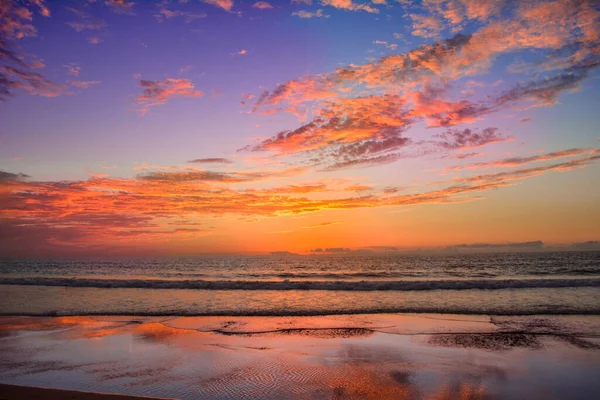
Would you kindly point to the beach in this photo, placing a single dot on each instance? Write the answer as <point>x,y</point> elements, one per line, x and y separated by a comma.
<point>481,326</point>
<point>399,356</point>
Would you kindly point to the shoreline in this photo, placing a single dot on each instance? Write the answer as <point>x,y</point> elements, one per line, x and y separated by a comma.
<point>400,323</point>
<point>303,314</point>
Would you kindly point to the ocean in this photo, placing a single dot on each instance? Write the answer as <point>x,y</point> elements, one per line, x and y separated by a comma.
<point>498,284</point>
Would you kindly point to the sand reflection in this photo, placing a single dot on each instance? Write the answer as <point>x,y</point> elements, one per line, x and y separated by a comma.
<point>342,357</point>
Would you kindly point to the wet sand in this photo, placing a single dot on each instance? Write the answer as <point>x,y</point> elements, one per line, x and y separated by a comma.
<point>9,392</point>
<point>399,356</point>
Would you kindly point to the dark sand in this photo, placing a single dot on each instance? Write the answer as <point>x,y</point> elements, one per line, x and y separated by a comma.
<point>12,392</point>
<point>387,356</point>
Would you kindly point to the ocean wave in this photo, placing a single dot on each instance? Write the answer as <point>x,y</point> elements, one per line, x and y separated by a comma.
<point>464,284</point>
<point>186,312</point>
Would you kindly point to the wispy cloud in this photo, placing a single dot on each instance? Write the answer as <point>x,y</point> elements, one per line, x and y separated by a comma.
<point>322,224</point>
<point>210,161</point>
<point>159,92</point>
<point>350,5</point>
<point>309,14</point>
<point>166,13</point>
<point>85,25</point>
<point>518,161</point>
<point>263,5</point>
<point>84,84</point>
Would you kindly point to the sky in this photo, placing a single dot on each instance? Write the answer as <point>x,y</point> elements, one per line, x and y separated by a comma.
<point>313,127</point>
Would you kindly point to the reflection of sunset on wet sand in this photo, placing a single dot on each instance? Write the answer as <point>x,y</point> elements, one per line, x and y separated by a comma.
<point>360,356</point>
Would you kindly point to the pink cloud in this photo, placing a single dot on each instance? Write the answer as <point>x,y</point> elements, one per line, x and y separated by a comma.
<point>263,5</point>
<point>226,5</point>
<point>159,92</point>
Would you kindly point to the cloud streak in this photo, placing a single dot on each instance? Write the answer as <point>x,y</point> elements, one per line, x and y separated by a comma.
<point>159,92</point>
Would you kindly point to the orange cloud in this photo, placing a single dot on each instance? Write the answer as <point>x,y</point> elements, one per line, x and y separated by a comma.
<point>226,5</point>
<point>426,26</point>
<point>263,5</point>
<point>121,6</point>
<point>116,212</point>
<point>349,5</point>
<point>159,92</point>
<point>322,224</point>
<point>358,188</point>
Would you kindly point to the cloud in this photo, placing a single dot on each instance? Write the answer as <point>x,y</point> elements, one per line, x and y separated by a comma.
<point>210,160</point>
<point>349,5</point>
<point>358,188</point>
<point>72,69</point>
<point>564,28</point>
<point>427,26</point>
<point>322,224</point>
<point>420,84</point>
<point>364,162</point>
<point>224,177</point>
<point>15,66</point>
<point>84,84</point>
<point>226,5</point>
<point>308,14</point>
<point>518,161</point>
<point>464,156</point>
<point>9,176</point>
<point>463,139</point>
<point>165,13</point>
<point>263,5</point>
<point>32,82</point>
<point>159,92</point>
<point>502,177</point>
<point>332,250</point>
<point>94,40</point>
<point>391,189</point>
<point>85,25</point>
<point>240,53</point>
<point>352,132</point>
<point>538,244</point>
<point>16,18</point>
<point>72,215</point>
<point>121,6</point>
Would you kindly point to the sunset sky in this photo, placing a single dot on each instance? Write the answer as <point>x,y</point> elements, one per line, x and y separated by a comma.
<point>230,126</point>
